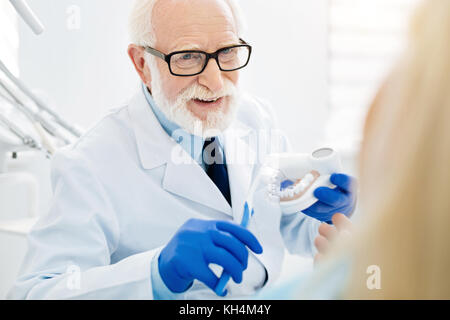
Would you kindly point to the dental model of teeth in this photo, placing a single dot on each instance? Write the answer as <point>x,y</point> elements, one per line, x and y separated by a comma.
<point>299,188</point>
<point>299,175</point>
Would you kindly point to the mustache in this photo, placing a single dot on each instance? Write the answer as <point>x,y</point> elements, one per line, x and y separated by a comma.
<point>200,92</point>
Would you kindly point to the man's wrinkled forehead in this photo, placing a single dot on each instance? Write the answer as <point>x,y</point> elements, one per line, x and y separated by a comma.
<point>193,24</point>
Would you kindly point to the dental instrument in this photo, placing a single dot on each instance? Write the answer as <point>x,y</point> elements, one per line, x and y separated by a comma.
<point>30,18</point>
<point>39,104</point>
<point>18,189</point>
<point>225,277</point>
<point>39,122</point>
<point>264,173</point>
<point>26,139</point>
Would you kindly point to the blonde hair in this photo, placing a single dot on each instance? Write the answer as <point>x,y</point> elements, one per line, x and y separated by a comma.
<point>405,171</point>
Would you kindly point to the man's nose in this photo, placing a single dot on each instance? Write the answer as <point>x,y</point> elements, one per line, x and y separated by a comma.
<point>211,77</point>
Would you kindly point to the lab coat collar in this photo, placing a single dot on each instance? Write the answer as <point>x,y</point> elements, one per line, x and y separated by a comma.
<point>189,180</point>
<point>191,143</point>
<point>154,145</point>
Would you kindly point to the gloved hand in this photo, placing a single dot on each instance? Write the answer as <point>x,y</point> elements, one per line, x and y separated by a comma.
<point>342,199</point>
<point>197,244</point>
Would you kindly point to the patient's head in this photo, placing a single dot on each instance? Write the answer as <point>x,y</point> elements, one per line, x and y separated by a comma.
<point>405,171</point>
<point>177,25</point>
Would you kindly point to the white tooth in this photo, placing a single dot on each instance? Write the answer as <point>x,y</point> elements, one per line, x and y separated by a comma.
<point>291,192</point>
<point>303,185</point>
<point>308,178</point>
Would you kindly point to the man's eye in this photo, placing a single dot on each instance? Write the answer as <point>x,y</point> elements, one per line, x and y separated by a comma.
<point>227,51</point>
<point>187,56</point>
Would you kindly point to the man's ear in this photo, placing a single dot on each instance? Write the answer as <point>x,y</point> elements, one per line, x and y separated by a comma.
<point>136,54</point>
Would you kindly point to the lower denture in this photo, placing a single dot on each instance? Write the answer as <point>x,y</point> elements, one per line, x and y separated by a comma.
<point>301,193</point>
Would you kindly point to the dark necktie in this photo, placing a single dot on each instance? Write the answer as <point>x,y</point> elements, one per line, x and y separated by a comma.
<point>216,167</point>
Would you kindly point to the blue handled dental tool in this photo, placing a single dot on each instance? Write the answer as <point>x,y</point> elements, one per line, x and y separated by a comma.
<point>264,172</point>
<point>225,277</point>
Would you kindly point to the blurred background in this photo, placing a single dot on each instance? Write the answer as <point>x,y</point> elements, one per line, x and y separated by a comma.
<point>318,62</point>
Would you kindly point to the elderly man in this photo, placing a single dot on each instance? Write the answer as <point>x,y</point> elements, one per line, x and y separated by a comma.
<point>148,203</point>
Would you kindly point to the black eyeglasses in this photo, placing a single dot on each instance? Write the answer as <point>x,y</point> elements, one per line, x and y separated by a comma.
<point>193,62</point>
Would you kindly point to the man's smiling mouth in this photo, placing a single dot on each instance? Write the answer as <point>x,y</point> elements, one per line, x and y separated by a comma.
<point>208,102</point>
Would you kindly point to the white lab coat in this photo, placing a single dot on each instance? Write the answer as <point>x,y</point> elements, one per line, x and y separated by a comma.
<point>119,198</point>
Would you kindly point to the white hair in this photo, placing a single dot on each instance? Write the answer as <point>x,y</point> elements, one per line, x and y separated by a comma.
<point>141,28</point>
<point>142,33</point>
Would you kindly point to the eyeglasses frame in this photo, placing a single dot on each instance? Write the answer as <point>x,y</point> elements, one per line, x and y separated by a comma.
<point>209,56</point>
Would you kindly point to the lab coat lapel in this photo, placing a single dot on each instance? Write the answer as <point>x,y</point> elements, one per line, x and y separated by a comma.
<point>243,164</point>
<point>183,176</point>
<point>190,181</point>
<point>240,159</point>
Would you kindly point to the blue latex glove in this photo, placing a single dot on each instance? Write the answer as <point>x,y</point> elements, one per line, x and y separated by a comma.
<point>342,199</point>
<point>197,244</point>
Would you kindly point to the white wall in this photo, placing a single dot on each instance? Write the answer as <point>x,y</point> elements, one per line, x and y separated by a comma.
<point>289,65</point>
<point>83,71</point>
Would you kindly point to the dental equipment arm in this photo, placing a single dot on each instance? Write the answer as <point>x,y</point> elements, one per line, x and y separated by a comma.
<point>26,139</point>
<point>40,105</point>
<point>24,10</point>
<point>6,145</point>
<point>39,123</point>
